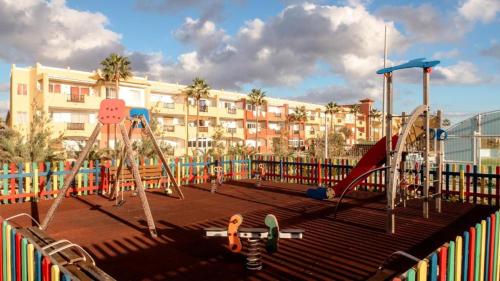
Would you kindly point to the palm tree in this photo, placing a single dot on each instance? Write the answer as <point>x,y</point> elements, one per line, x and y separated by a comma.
<point>198,90</point>
<point>257,99</point>
<point>355,110</point>
<point>299,116</point>
<point>446,122</point>
<point>115,69</point>
<point>374,113</point>
<point>331,108</point>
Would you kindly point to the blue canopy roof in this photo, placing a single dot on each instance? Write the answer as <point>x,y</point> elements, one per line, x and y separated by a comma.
<point>420,62</point>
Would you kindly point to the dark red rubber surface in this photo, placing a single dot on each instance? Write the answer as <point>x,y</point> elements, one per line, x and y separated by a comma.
<point>350,248</point>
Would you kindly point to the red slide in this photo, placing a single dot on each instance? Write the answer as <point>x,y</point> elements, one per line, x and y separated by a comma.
<point>375,157</point>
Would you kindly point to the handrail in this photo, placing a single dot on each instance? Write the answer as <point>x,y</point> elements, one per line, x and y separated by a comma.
<point>24,214</point>
<point>400,253</point>
<point>55,243</point>
<point>353,184</point>
<point>76,246</point>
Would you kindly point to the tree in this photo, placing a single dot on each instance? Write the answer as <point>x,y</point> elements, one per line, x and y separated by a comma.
<point>299,116</point>
<point>39,144</point>
<point>331,108</point>
<point>197,91</point>
<point>257,99</point>
<point>217,150</point>
<point>115,69</point>
<point>355,109</point>
<point>346,132</point>
<point>336,144</point>
<point>446,122</point>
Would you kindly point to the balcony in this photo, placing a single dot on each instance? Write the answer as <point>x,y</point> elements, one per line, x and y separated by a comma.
<point>203,108</point>
<point>76,98</point>
<point>168,105</point>
<point>231,110</point>
<point>75,126</point>
<point>169,128</point>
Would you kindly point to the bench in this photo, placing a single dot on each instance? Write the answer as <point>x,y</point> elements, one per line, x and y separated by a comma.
<point>41,255</point>
<point>146,173</point>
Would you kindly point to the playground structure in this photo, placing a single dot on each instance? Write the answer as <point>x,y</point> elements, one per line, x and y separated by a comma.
<point>401,154</point>
<point>272,234</point>
<point>216,179</point>
<point>260,175</point>
<point>112,111</point>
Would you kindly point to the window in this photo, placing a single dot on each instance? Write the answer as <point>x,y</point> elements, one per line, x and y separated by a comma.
<point>22,117</point>
<point>250,107</point>
<point>84,91</point>
<point>110,93</point>
<point>22,89</point>
<point>54,88</point>
<point>202,143</point>
<point>251,125</point>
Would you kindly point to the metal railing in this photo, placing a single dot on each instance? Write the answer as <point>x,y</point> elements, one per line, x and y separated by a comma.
<point>76,98</point>
<point>76,126</point>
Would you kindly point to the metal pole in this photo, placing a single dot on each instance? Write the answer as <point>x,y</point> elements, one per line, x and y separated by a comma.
<point>439,173</point>
<point>71,177</point>
<point>425,206</point>
<point>391,219</point>
<point>326,138</point>
<point>384,110</point>
<point>478,140</point>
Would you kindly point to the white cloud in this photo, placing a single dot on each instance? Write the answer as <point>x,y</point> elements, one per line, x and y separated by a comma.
<point>492,51</point>
<point>209,9</point>
<point>480,10</point>
<point>446,54</point>
<point>52,33</point>
<point>426,24</point>
<point>462,73</point>
<point>284,49</point>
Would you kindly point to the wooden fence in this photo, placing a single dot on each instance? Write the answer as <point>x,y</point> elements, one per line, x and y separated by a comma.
<point>461,183</point>
<point>33,181</point>
<point>471,256</point>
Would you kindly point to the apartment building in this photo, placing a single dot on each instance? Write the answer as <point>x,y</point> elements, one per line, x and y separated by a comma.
<point>72,99</point>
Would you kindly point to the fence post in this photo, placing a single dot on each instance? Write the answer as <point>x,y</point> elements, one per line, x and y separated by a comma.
<point>474,184</point>
<point>27,169</point>
<point>12,182</point>
<point>497,189</point>
<point>447,181</point>
<point>461,186</point>
<point>20,181</point>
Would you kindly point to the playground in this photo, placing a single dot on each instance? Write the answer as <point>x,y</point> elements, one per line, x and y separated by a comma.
<point>351,247</point>
<point>398,212</point>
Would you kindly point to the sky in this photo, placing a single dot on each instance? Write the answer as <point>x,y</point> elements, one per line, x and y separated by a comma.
<point>314,51</point>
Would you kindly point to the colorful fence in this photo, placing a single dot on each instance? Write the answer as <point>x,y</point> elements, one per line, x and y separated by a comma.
<point>22,259</point>
<point>33,181</point>
<point>471,256</point>
<point>463,183</point>
<point>314,171</point>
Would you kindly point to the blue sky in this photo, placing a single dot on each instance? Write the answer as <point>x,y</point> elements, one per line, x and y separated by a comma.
<point>317,51</point>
